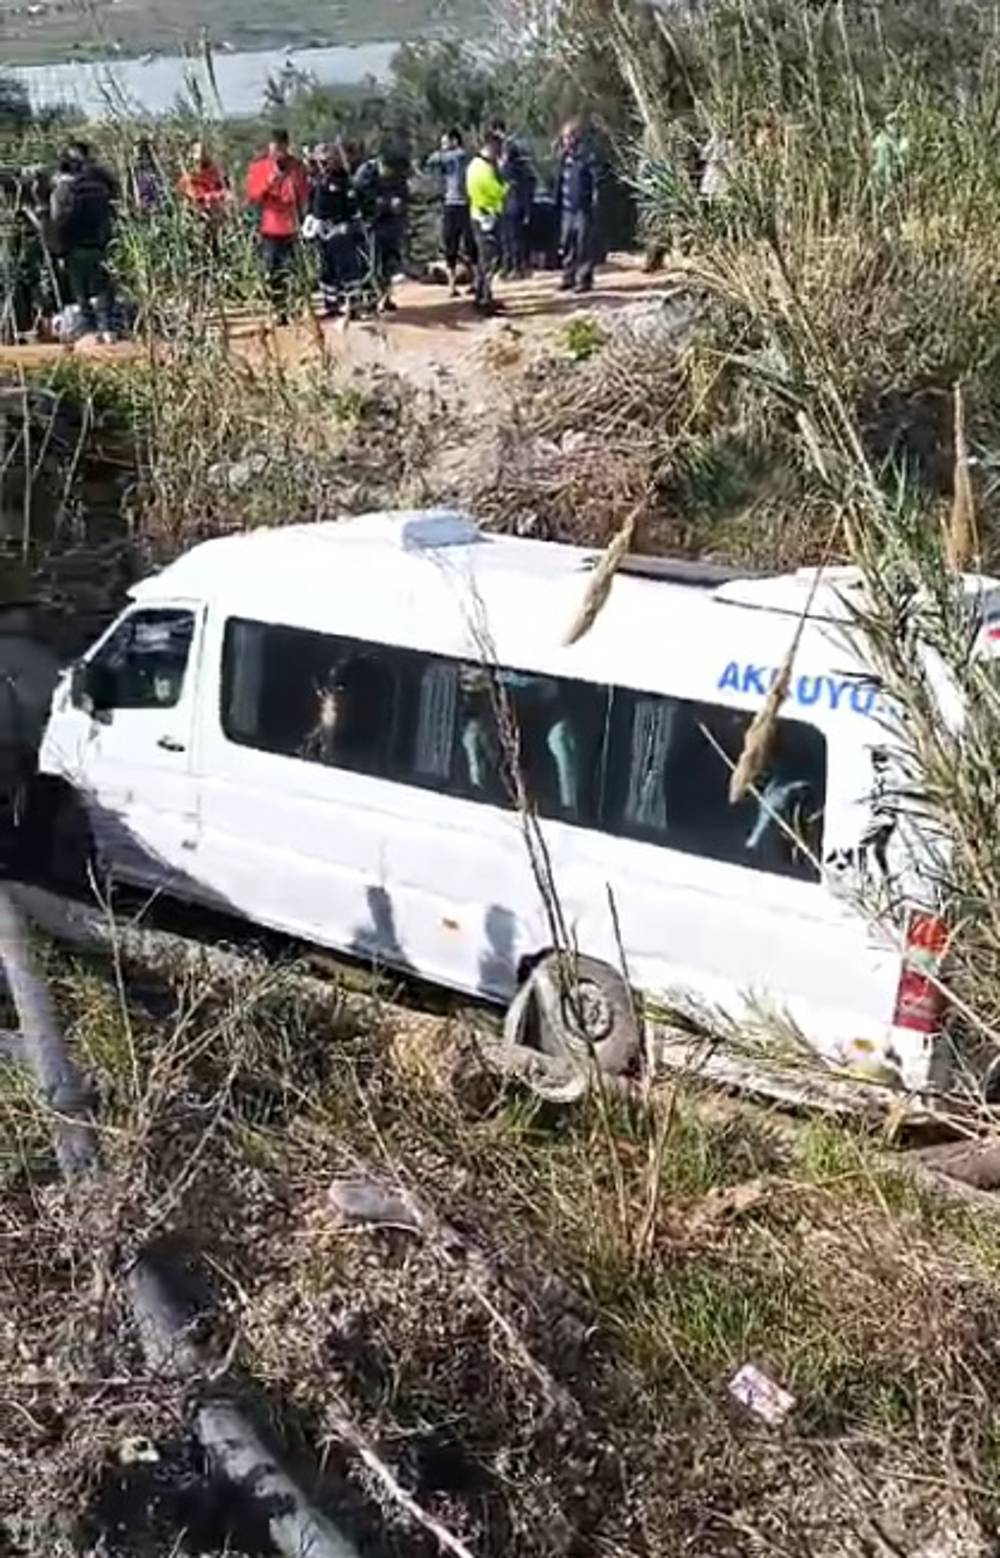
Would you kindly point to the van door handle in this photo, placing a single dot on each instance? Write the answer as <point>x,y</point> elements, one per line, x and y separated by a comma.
<point>171,744</point>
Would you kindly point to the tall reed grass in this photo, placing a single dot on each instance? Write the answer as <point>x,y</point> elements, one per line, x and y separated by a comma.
<point>849,260</point>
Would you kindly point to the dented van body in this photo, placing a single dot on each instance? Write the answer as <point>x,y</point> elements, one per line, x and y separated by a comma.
<point>334,730</point>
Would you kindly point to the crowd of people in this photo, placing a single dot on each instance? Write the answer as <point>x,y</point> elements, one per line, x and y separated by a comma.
<point>496,218</point>
<point>349,211</point>
<point>499,220</point>
<point>56,228</point>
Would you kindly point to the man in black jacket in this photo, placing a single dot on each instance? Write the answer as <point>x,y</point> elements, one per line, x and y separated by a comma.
<point>576,199</point>
<point>83,201</point>
<point>516,169</point>
<point>383,191</point>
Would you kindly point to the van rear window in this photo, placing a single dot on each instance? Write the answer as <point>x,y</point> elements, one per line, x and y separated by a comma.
<point>636,765</point>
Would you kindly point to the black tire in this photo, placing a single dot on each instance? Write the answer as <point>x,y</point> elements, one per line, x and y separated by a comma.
<point>600,996</point>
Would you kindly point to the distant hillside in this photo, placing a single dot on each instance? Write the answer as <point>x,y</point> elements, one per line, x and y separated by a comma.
<point>44,30</point>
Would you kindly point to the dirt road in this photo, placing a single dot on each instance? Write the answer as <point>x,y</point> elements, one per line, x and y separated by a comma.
<point>428,330</point>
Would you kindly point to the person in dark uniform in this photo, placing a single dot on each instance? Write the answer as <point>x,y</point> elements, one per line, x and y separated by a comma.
<point>334,226</point>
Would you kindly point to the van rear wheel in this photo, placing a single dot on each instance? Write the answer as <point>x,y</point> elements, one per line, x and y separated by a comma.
<point>588,1013</point>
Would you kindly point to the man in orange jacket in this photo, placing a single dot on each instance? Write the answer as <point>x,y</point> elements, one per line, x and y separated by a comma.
<point>204,188</point>
<point>203,184</point>
<point>278,186</point>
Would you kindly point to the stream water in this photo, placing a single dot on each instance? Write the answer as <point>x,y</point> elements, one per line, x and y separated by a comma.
<point>153,85</point>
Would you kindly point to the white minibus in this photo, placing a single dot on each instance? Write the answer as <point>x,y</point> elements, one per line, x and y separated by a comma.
<point>312,727</point>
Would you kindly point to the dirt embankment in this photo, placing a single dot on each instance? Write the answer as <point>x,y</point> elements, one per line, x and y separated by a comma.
<point>265,425</point>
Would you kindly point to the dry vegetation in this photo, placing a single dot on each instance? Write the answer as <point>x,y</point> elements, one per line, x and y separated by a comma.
<point>569,1397</point>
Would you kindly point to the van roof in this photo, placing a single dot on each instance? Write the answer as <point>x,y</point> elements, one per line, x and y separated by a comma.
<point>296,555</point>
<point>292,552</point>
<point>296,559</point>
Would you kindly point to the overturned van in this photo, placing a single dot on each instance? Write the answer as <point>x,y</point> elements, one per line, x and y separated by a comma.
<point>336,730</point>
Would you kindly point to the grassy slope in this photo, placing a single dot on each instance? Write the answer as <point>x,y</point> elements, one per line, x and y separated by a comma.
<point>629,1269</point>
<point>141,25</point>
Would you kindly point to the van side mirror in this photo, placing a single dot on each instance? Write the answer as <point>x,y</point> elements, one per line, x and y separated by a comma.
<point>93,688</point>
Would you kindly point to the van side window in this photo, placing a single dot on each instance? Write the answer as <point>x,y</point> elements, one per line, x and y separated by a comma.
<point>559,728</point>
<point>310,695</point>
<point>468,729</point>
<point>629,763</point>
<point>668,783</point>
<point>480,770</point>
<point>142,664</point>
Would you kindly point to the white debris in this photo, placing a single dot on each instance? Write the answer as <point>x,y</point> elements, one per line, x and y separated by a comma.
<point>138,1451</point>
<point>760,1394</point>
<point>238,474</point>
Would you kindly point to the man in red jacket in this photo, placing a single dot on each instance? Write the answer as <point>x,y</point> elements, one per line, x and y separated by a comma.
<point>278,186</point>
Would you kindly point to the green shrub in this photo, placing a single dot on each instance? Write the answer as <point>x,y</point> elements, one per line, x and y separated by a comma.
<point>583,337</point>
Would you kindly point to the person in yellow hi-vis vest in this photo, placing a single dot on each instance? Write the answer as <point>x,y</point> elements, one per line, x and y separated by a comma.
<point>487,193</point>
